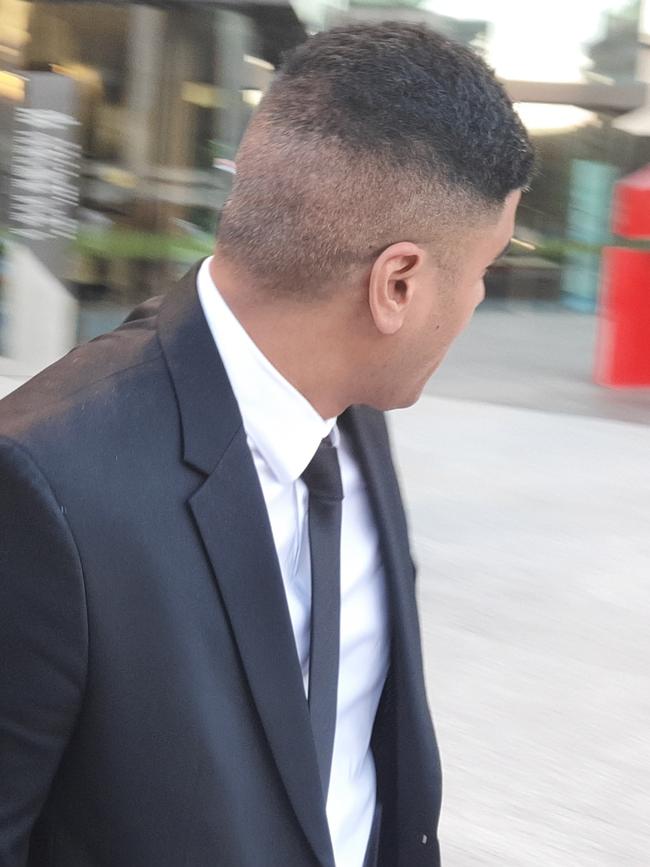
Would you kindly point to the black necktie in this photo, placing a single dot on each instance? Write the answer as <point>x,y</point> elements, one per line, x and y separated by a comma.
<point>323,479</point>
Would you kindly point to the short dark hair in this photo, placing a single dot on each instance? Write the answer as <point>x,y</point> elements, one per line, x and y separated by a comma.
<point>366,133</point>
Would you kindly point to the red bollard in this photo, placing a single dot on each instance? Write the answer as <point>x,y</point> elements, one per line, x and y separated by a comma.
<point>623,348</point>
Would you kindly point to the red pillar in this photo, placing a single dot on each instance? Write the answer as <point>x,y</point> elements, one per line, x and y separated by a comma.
<point>623,348</point>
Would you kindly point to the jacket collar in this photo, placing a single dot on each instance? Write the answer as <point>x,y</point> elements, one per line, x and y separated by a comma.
<point>209,414</point>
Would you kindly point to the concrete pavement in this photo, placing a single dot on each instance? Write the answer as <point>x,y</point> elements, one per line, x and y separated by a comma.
<point>537,355</point>
<point>532,534</point>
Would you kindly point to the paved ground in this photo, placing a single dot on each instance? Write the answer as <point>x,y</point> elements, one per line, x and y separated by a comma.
<point>538,356</point>
<point>531,531</point>
<point>12,374</point>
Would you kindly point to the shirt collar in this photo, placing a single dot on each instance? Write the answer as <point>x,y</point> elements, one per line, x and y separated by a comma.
<point>282,425</point>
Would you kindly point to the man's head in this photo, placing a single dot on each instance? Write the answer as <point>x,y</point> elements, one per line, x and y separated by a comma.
<point>384,166</point>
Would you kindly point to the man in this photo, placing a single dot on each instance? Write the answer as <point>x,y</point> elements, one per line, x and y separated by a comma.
<point>208,632</point>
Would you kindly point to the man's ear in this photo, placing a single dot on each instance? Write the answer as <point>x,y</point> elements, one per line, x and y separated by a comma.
<point>392,285</point>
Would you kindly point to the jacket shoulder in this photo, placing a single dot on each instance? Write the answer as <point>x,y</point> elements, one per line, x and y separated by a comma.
<point>90,377</point>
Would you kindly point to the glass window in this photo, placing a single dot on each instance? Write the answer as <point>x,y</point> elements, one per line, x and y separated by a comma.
<point>163,95</point>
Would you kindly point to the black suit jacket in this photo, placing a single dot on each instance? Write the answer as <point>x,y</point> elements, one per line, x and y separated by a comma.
<point>152,712</point>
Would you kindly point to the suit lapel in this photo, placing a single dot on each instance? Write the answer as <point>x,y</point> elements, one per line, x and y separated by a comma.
<point>367,430</point>
<point>415,761</point>
<point>231,517</point>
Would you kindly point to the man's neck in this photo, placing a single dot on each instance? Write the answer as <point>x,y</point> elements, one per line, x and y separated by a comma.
<point>304,346</point>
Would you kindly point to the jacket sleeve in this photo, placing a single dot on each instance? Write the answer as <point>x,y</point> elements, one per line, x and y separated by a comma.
<point>43,645</point>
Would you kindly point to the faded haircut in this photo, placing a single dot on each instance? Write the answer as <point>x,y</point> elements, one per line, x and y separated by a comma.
<point>369,135</point>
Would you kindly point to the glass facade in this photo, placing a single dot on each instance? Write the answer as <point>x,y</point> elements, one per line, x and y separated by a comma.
<point>157,98</point>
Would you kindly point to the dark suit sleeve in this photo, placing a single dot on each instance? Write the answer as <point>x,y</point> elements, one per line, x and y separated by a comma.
<point>43,645</point>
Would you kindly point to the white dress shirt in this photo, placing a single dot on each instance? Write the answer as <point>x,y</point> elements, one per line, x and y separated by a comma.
<point>284,431</point>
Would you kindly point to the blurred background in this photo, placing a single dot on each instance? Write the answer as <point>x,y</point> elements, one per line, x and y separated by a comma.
<point>525,465</point>
<point>119,187</point>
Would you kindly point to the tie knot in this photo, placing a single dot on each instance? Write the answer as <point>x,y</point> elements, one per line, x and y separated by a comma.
<point>323,475</point>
